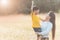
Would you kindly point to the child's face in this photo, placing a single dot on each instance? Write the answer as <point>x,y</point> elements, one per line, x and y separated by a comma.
<point>37,12</point>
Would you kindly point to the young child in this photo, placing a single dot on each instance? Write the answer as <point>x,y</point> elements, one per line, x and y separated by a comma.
<point>36,21</point>
<point>46,27</point>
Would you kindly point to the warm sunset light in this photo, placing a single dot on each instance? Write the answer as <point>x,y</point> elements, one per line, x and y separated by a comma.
<point>8,6</point>
<point>4,2</point>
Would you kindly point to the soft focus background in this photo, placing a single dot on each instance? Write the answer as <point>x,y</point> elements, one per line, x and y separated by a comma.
<point>15,21</point>
<point>18,27</point>
<point>8,7</point>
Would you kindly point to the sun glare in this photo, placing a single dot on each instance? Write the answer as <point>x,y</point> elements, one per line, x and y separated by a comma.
<point>4,2</point>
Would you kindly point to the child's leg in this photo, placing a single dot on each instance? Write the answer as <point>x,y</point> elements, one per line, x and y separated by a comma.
<point>38,37</point>
<point>37,30</point>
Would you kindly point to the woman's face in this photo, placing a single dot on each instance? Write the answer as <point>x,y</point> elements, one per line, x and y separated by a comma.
<point>48,17</point>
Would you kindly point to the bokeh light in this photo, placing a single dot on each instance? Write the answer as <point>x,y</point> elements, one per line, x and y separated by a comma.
<point>8,6</point>
<point>4,2</point>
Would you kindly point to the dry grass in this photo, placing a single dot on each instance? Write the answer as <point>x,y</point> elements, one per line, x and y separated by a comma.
<point>17,27</point>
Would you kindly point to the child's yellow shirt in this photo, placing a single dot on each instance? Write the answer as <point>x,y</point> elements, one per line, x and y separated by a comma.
<point>35,21</point>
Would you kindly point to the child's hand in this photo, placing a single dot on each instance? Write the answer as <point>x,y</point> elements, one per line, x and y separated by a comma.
<point>43,20</point>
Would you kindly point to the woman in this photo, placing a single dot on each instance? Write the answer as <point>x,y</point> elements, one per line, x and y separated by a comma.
<point>46,27</point>
<point>52,20</point>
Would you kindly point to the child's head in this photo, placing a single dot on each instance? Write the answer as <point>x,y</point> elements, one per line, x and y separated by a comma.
<point>36,10</point>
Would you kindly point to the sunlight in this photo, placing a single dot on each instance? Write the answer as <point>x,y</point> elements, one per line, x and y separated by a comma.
<point>4,2</point>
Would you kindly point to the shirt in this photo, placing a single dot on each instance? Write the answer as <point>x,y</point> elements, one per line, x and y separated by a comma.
<point>35,20</point>
<point>46,27</point>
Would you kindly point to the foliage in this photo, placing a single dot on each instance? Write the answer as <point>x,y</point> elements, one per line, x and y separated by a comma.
<point>43,5</point>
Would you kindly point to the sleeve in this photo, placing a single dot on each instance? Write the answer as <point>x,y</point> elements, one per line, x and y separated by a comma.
<point>49,27</point>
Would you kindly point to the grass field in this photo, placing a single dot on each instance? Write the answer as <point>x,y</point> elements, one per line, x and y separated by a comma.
<point>18,27</point>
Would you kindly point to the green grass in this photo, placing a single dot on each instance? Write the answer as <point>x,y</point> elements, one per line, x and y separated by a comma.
<point>17,27</point>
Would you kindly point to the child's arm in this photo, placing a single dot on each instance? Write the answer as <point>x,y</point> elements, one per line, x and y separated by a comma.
<point>41,19</point>
<point>32,7</point>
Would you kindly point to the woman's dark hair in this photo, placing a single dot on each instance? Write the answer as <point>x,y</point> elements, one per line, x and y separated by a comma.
<point>52,20</point>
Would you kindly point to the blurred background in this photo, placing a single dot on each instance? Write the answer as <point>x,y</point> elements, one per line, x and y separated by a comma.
<point>24,6</point>
<point>15,24</point>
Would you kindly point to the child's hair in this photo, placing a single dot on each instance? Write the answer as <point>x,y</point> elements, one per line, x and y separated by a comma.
<point>52,20</point>
<point>35,8</point>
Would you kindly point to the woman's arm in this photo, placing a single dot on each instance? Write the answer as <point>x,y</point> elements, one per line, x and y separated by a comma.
<point>47,30</point>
